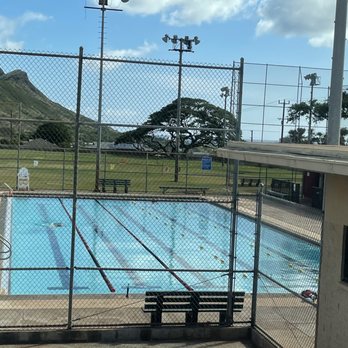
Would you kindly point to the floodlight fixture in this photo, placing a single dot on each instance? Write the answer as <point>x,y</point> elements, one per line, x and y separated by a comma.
<point>103,2</point>
<point>196,40</point>
<point>314,79</point>
<point>124,1</point>
<point>225,91</point>
<point>165,38</point>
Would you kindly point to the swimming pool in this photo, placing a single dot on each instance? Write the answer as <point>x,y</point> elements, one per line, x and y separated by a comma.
<point>138,235</point>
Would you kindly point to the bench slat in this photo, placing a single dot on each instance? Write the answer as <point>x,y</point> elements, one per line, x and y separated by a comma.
<point>188,293</point>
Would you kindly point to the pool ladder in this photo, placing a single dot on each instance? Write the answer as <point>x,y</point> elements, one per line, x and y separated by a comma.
<point>5,249</point>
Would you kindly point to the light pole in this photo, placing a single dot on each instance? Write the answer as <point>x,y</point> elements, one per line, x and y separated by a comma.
<point>283,118</point>
<point>178,45</point>
<point>314,81</point>
<point>225,93</point>
<point>103,9</point>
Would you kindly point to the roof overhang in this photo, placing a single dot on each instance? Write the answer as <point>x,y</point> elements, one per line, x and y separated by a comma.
<point>328,159</point>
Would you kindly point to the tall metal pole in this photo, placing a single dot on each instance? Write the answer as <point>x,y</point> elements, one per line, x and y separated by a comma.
<point>233,227</point>
<point>75,184</point>
<point>283,119</point>
<point>259,200</point>
<point>178,117</point>
<point>310,116</point>
<point>225,92</point>
<point>103,3</point>
<point>335,101</point>
<point>100,101</point>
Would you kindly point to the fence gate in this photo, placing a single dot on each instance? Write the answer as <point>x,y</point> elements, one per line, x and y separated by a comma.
<point>287,254</point>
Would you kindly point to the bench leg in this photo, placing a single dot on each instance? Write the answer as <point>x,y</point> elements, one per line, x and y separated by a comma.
<point>103,188</point>
<point>223,318</point>
<point>125,188</point>
<point>191,317</point>
<point>114,189</point>
<point>156,318</point>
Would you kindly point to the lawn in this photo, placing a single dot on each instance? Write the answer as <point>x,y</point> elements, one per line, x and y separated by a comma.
<point>53,170</point>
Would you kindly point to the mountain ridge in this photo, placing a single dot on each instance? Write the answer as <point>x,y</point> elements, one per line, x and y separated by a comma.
<point>20,98</point>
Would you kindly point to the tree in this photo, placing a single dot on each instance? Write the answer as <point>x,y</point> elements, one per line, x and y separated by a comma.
<point>320,111</point>
<point>195,113</point>
<point>295,136</point>
<point>55,133</point>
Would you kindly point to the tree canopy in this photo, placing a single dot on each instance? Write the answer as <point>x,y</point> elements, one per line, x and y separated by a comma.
<point>154,134</point>
<point>319,112</point>
<point>55,133</point>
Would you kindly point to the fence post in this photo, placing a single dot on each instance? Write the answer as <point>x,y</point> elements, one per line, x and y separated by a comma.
<point>75,184</point>
<point>186,173</point>
<point>259,201</point>
<point>63,174</point>
<point>19,141</point>
<point>146,171</point>
<point>105,165</point>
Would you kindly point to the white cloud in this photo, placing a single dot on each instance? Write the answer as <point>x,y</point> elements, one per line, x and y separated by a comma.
<point>140,51</point>
<point>184,12</point>
<point>310,18</point>
<point>8,28</point>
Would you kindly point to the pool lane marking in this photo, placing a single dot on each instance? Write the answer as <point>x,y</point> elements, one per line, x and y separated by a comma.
<point>268,247</point>
<point>188,287</point>
<point>102,273</point>
<point>57,253</point>
<point>116,253</point>
<point>202,238</point>
<point>164,247</point>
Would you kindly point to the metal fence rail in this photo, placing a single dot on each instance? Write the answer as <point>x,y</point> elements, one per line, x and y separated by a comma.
<point>74,257</point>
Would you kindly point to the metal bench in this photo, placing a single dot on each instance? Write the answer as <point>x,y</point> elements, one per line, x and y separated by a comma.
<point>203,190</point>
<point>114,183</point>
<point>191,303</point>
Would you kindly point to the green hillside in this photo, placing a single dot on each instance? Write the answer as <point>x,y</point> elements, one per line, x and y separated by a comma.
<point>16,89</point>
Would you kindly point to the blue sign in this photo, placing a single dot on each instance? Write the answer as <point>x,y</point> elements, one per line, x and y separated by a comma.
<point>206,163</point>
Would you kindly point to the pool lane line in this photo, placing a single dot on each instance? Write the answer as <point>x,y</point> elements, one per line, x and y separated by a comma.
<point>164,247</point>
<point>263,245</point>
<point>188,287</point>
<point>202,238</point>
<point>102,273</point>
<point>116,253</point>
<point>57,253</point>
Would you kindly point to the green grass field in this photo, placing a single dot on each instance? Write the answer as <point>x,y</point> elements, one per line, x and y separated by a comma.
<point>53,170</point>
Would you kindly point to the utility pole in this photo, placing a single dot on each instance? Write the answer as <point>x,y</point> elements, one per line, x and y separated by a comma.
<point>284,103</point>
<point>335,100</point>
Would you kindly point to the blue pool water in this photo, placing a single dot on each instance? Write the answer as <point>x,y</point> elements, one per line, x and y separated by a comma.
<point>142,235</point>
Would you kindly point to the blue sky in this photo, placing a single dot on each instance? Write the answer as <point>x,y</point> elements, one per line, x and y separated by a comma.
<point>264,31</point>
<point>297,33</point>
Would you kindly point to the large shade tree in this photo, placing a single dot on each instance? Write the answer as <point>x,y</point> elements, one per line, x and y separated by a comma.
<point>159,134</point>
<point>55,133</point>
<point>318,111</point>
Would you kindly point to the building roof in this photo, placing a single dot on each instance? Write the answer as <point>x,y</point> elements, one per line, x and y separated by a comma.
<point>328,159</point>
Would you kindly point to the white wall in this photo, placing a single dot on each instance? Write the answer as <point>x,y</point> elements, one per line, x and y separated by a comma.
<point>333,293</point>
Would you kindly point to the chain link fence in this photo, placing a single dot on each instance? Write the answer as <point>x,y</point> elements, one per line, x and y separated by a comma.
<point>103,233</point>
<point>288,271</point>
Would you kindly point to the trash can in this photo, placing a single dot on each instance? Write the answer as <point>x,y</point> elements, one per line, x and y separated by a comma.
<point>317,197</point>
